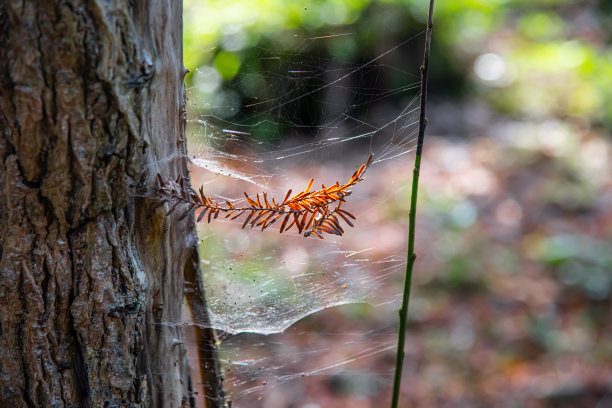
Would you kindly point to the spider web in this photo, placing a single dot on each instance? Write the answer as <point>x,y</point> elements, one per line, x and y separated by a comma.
<point>309,116</point>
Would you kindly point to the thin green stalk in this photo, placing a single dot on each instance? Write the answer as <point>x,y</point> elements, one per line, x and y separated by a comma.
<point>411,256</point>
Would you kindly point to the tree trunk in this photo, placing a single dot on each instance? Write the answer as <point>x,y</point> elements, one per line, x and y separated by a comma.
<point>91,273</point>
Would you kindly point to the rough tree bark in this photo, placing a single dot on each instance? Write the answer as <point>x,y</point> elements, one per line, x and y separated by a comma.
<point>91,102</point>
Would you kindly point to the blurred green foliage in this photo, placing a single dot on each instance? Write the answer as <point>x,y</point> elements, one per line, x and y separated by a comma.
<point>525,245</point>
<point>530,59</point>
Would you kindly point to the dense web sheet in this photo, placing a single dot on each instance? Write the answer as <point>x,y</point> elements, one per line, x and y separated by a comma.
<point>265,289</point>
<point>311,116</point>
<point>264,282</point>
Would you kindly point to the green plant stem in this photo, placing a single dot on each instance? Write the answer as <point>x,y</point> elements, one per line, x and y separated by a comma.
<point>411,256</point>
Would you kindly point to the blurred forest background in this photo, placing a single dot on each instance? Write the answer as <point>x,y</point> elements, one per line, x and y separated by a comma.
<point>512,290</point>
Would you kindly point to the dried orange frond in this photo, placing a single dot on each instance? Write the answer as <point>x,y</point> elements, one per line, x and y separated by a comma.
<point>308,211</point>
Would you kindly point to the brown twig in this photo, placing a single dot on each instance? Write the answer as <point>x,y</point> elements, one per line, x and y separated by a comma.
<point>310,212</point>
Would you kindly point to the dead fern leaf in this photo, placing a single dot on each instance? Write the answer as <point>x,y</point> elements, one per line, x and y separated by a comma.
<point>311,211</point>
